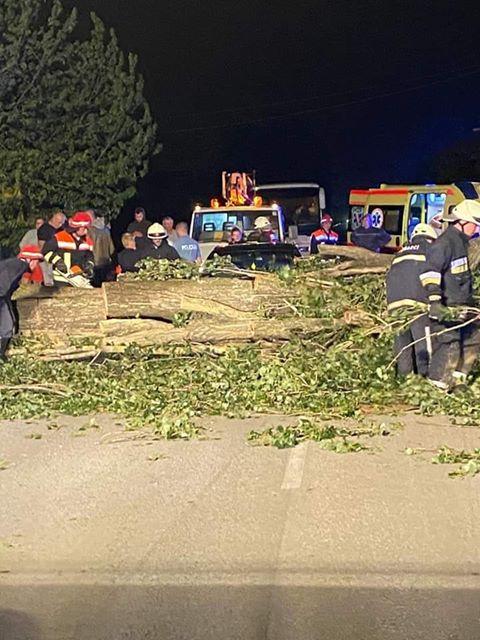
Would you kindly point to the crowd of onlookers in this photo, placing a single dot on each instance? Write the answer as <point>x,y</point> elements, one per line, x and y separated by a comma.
<point>85,239</point>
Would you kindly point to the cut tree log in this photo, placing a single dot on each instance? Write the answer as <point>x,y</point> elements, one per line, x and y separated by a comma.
<point>354,261</point>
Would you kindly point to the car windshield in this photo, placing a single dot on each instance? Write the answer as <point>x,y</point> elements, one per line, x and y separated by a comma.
<point>215,225</point>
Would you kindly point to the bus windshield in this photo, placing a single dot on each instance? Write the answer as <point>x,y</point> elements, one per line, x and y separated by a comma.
<point>300,206</point>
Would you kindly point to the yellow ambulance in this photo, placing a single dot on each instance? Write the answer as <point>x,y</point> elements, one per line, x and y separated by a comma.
<point>398,208</point>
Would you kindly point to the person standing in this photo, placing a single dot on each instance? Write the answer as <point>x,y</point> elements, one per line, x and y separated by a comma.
<point>103,249</point>
<point>448,281</point>
<point>45,233</point>
<point>187,248</point>
<point>168,225</point>
<point>324,235</point>
<point>11,272</point>
<point>31,236</point>
<point>139,225</point>
<point>369,237</point>
<point>157,245</point>
<point>406,293</point>
<point>129,256</point>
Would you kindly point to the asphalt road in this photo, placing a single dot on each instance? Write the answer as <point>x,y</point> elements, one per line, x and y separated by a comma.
<point>215,539</point>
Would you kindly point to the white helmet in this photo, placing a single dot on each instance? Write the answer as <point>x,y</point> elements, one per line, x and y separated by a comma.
<point>424,229</point>
<point>262,222</point>
<point>156,230</point>
<point>465,211</point>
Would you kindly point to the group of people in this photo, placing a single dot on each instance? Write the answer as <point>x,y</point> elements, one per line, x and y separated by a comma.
<point>430,278</point>
<point>163,240</point>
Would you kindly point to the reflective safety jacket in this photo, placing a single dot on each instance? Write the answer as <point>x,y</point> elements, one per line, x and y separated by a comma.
<point>446,275</point>
<point>320,236</point>
<point>404,288</point>
<point>68,250</point>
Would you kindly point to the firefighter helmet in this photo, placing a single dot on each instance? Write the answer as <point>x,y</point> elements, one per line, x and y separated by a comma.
<point>424,229</point>
<point>156,230</point>
<point>31,252</point>
<point>326,217</point>
<point>80,219</point>
<point>465,211</point>
<point>262,222</point>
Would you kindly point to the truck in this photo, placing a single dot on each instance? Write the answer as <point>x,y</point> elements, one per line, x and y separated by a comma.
<point>302,205</point>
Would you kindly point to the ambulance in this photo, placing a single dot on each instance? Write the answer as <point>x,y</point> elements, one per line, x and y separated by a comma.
<point>399,208</point>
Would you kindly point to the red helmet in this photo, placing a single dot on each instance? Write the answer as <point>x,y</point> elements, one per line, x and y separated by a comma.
<point>326,217</point>
<point>80,219</point>
<point>31,252</point>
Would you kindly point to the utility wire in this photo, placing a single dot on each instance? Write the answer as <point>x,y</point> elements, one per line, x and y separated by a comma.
<point>339,105</point>
<point>279,103</point>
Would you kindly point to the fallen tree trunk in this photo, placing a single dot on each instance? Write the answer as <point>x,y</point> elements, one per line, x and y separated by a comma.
<point>354,261</point>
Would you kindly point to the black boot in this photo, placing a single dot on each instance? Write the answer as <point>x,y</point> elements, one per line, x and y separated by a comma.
<point>3,349</point>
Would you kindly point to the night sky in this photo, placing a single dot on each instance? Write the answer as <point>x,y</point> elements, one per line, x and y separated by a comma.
<point>349,94</point>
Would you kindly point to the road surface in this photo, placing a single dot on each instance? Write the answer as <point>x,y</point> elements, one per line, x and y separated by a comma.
<point>214,539</point>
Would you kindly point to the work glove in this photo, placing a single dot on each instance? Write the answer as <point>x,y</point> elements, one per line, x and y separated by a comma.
<point>438,311</point>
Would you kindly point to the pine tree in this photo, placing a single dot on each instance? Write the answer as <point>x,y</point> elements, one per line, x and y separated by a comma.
<point>75,128</point>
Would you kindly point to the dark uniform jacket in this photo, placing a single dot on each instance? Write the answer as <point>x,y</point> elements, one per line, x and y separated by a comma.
<point>404,288</point>
<point>164,251</point>
<point>11,272</point>
<point>446,275</point>
<point>65,250</point>
<point>127,259</point>
<point>372,239</point>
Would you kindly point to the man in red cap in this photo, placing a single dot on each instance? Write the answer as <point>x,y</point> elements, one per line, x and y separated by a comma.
<point>324,235</point>
<point>70,251</point>
<point>11,273</point>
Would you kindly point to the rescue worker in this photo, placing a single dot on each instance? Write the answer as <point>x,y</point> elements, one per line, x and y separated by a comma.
<point>324,235</point>
<point>406,293</point>
<point>370,237</point>
<point>157,245</point>
<point>263,231</point>
<point>447,279</point>
<point>70,251</point>
<point>11,273</point>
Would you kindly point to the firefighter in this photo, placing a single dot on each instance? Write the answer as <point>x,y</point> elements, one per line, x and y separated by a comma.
<point>263,231</point>
<point>70,251</point>
<point>157,245</point>
<point>11,272</point>
<point>324,235</point>
<point>405,293</point>
<point>447,279</point>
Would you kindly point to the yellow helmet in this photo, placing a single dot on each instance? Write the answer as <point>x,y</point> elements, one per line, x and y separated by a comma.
<point>424,229</point>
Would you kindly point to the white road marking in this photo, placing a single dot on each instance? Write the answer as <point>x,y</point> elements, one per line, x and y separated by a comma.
<point>295,466</point>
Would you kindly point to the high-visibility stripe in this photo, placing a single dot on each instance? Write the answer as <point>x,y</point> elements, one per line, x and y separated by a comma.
<point>84,247</point>
<point>411,256</point>
<point>431,277</point>
<point>406,302</point>
<point>69,246</point>
<point>48,256</point>
<point>67,258</point>
<point>462,269</point>
<point>434,297</point>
